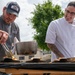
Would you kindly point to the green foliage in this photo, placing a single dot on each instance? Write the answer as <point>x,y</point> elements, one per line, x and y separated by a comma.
<point>43,15</point>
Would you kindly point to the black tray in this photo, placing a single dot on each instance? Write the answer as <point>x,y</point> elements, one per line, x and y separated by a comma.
<point>63,66</point>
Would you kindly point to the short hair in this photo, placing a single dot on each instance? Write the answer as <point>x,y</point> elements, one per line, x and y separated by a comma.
<point>71,4</point>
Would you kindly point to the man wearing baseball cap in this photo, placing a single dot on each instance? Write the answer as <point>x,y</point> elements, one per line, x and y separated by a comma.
<point>13,8</point>
<point>7,24</point>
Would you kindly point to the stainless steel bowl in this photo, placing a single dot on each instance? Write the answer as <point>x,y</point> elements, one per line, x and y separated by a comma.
<point>26,48</point>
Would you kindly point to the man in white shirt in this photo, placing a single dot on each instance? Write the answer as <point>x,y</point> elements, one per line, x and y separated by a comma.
<point>60,36</point>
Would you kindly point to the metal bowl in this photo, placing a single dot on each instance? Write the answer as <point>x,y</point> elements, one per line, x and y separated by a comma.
<point>26,48</point>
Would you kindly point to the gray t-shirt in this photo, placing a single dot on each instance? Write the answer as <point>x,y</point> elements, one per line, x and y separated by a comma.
<point>13,31</point>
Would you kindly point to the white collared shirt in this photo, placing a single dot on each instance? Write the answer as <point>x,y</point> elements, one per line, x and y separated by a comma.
<point>62,34</point>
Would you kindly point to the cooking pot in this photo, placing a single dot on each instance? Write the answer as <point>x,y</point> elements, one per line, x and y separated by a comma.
<point>26,48</point>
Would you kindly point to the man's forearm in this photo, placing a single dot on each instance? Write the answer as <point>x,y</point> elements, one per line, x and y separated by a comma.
<point>55,50</point>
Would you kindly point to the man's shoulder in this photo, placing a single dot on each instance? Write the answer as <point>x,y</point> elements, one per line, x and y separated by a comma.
<point>14,25</point>
<point>57,22</point>
<point>59,19</point>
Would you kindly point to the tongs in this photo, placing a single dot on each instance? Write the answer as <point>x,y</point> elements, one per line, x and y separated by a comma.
<point>8,52</point>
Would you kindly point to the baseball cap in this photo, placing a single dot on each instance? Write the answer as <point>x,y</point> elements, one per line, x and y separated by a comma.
<point>13,8</point>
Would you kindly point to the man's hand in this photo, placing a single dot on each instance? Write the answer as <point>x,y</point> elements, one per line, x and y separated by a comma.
<point>3,36</point>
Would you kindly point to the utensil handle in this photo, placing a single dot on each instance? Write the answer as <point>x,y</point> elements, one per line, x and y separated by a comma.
<point>7,51</point>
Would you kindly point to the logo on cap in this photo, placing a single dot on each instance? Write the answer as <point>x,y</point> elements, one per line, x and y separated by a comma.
<point>14,7</point>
